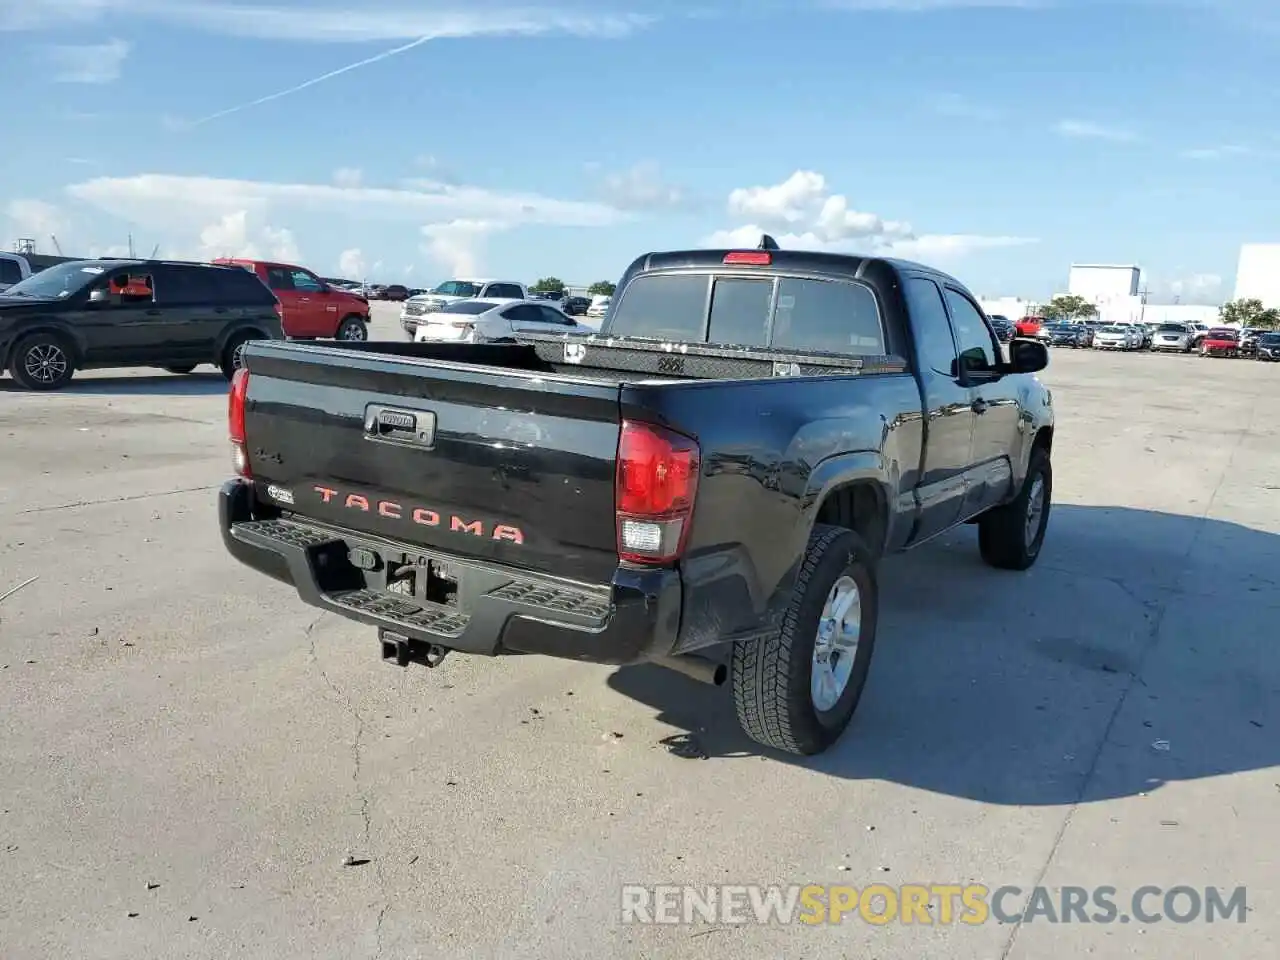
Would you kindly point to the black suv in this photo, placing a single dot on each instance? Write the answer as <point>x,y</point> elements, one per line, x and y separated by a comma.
<point>131,313</point>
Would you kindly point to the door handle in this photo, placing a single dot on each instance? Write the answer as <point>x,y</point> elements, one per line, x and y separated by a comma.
<point>980,406</point>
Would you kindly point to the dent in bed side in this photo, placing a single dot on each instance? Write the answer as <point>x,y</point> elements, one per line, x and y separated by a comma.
<point>1035,408</point>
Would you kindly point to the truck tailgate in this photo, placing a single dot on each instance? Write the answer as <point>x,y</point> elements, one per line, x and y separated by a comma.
<point>472,461</point>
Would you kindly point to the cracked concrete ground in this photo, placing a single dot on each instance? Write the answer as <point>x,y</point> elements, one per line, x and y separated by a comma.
<point>190,757</point>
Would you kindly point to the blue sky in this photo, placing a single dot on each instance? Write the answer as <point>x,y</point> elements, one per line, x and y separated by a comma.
<point>999,139</point>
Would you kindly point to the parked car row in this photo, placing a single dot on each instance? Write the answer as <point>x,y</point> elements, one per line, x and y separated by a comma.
<point>496,304</point>
<point>1248,342</point>
<point>1163,337</point>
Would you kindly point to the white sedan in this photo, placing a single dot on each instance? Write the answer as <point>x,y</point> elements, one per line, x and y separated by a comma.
<point>485,321</point>
<point>1114,337</point>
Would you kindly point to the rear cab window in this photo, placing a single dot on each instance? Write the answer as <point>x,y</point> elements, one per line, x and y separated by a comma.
<point>782,312</point>
<point>10,272</point>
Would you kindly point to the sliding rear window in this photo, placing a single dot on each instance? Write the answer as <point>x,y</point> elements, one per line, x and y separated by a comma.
<point>788,313</point>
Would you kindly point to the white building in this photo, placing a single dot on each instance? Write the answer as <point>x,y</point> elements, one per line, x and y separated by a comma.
<point>1258,273</point>
<point>1101,283</point>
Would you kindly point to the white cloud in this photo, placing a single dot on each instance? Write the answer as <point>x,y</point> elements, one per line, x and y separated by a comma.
<point>159,199</point>
<point>1221,152</point>
<point>802,213</point>
<point>34,219</point>
<point>457,245</point>
<point>232,236</point>
<point>404,22</point>
<point>351,264</point>
<point>212,217</point>
<point>94,63</point>
<point>804,199</point>
<point>348,177</point>
<point>641,188</point>
<point>1195,288</point>
<point>1087,130</point>
<point>351,23</point>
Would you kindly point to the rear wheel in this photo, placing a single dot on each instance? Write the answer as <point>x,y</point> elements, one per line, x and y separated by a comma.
<point>233,353</point>
<point>1010,536</point>
<point>796,690</point>
<point>352,328</point>
<point>42,361</point>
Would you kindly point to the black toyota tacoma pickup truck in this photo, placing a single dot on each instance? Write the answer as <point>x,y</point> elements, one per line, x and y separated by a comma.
<point>707,484</point>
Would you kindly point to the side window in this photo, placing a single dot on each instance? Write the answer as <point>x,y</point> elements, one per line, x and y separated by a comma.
<point>834,316</point>
<point>9,271</point>
<point>504,291</point>
<point>129,289</point>
<point>934,343</point>
<point>304,282</point>
<point>278,278</point>
<point>978,353</point>
<point>740,311</point>
<point>551,315</point>
<point>186,286</point>
<point>523,313</point>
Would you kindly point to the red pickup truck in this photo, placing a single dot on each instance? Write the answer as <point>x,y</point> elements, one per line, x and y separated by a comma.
<point>310,308</point>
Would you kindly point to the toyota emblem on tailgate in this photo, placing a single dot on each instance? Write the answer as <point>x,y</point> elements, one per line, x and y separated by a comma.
<point>397,420</point>
<point>398,425</point>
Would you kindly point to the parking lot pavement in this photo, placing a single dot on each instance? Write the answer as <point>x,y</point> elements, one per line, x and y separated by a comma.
<point>189,754</point>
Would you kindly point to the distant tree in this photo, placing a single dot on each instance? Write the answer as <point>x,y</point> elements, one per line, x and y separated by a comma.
<point>1069,306</point>
<point>548,285</point>
<point>1250,313</point>
<point>602,288</point>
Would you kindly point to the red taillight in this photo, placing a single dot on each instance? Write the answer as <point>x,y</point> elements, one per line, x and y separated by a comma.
<point>656,481</point>
<point>755,258</point>
<point>235,422</point>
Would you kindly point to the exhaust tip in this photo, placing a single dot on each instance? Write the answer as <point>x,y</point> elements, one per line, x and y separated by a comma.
<point>719,675</point>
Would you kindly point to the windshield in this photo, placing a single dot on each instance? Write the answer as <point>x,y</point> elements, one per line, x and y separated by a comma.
<point>1221,334</point>
<point>1171,328</point>
<point>1269,338</point>
<point>58,282</point>
<point>457,288</point>
<point>1112,329</point>
<point>469,307</point>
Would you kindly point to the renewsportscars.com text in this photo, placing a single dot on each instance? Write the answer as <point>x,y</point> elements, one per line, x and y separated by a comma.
<point>929,904</point>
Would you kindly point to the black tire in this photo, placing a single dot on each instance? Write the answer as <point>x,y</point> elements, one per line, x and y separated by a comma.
<point>230,361</point>
<point>42,361</point>
<point>352,328</point>
<point>1002,532</point>
<point>184,368</point>
<point>772,676</point>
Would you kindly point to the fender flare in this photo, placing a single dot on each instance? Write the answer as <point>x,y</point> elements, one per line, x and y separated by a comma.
<point>52,325</point>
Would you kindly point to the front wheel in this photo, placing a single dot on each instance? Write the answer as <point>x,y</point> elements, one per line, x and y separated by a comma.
<point>796,689</point>
<point>1010,536</point>
<point>42,361</point>
<point>352,328</point>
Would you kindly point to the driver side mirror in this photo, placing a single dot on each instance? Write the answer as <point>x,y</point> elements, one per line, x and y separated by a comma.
<point>1027,356</point>
<point>98,296</point>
